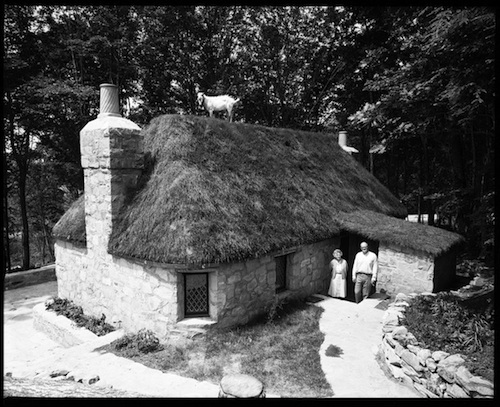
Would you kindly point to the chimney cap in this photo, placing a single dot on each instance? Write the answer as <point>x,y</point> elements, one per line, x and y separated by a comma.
<point>109,103</point>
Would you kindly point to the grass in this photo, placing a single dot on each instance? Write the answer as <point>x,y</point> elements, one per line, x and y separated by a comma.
<point>282,351</point>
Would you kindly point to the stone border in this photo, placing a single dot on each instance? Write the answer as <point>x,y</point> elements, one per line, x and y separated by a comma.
<point>20,279</point>
<point>65,332</point>
<point>434,374</point>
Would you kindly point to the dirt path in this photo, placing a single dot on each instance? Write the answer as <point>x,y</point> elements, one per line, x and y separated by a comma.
<point>353,332</point>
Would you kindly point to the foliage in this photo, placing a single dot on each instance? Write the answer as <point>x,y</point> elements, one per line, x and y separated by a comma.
<point>144,341</point>
<point>418,81</point>
<point>65,307</point>
<point>444,323</point>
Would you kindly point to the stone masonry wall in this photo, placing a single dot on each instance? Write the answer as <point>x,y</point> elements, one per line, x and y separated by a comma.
<point>247,289</point>
<point>131,296</point>
<point>403,270</point>
<point>434,374</point>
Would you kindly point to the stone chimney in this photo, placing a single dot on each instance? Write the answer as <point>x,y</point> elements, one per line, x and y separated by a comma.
<point>112,161</point>
<point>343,142</point>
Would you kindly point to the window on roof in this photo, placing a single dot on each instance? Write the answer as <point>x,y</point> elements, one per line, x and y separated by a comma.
<point>281,265</point>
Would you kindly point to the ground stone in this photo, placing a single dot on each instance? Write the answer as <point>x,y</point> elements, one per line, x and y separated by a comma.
<point>473,383</point>
<point>241,386</point>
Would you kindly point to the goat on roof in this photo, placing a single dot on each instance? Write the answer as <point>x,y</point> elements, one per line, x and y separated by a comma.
<point>217,104</point>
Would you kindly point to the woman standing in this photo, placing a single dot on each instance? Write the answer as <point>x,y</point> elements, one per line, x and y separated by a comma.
<point>338,266</point>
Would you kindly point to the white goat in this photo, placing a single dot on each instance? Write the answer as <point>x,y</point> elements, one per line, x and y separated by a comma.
<point>217,104</point>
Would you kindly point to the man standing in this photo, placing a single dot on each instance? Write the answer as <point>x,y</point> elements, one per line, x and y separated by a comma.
<point>364,272</point>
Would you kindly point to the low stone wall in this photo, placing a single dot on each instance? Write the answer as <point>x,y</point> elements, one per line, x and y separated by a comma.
<point>30,277</point>
<point>65,332</point>
<point>434,374</point>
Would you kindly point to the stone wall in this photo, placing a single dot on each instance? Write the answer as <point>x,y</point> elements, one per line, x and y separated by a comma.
<point>131,296</point>
<point>404,270</point>
<point>247,289</point>
<point>434,374</point>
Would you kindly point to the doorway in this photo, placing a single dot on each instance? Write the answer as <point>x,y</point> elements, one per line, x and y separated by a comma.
<point>349,244</point>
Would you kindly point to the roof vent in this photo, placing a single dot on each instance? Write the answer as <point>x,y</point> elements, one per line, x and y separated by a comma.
<point>109,105</point>
<point>343,143</point>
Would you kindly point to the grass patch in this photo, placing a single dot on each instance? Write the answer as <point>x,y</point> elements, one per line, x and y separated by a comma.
<point>445,323</point>
<point>67,308</point>
<point>282,351</point>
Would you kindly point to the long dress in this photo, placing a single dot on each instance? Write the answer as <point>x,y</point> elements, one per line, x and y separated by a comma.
<point>337,283</point>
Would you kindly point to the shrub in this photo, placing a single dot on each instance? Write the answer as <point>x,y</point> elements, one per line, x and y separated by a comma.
<point>144,341</point>
<point>65,307</point>
<point>445,323</point>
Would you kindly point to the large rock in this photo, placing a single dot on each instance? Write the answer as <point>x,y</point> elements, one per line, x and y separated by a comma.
<point>455,391</point>
<point>421,389</point>
<point>241,386</point>
<point>431,364</point>
<point>439,355</point>
<point>412,360</point>
<point>391,356</point>
<point>448,366</point>
<point>423,355</point>
<point>399,333</point>
<point>473,383</point>
<point>413,349</point>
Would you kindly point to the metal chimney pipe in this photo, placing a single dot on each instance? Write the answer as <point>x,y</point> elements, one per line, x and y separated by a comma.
<point>109,105</point>
<point>342,138</point>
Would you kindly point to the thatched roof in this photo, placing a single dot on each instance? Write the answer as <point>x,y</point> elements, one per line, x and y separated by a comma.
<point>71,226</point>
<point>219,192</point>
<point>376,226</point>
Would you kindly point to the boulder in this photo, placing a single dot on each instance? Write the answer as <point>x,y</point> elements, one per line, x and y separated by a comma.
<point>452,360</point>
<point>423,355</point>
<point>455,391</point>
<point>412,360</point>
<point>401,297</point>
<point>412,348</point>
<point>399,349</point>
<point>388,339</point>
<point>431,364</point>
<point>391,356</point>
<point>473,383</point>
<point>241,386</point>
<point>399,333</point>
<point>439,355</point>
<point>423,390</point>
<point>410,339</point>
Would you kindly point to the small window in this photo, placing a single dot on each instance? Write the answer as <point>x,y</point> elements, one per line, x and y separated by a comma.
<point>196,294</point>
<point>280,273</point>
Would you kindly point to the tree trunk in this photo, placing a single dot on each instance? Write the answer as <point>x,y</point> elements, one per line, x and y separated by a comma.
<point>24,216</point>
<point>7,264</point>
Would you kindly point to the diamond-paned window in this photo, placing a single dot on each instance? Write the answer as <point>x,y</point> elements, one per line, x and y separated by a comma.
<point>196,294</point>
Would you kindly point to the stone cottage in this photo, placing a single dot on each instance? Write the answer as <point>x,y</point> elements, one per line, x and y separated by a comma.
<point>198,219</point>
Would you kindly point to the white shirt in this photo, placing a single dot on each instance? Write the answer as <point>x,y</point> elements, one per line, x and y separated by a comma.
<point>365,263</point>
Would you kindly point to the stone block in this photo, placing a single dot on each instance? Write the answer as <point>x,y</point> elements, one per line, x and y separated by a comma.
<point>423,355</point>
<point>473,383</point>
<point>399,333</point>
<point>439,355</point>
<point>430,363</point>
<point>389,340</point>
<point>424,391</point>
<point>455,391</point>
<point>410,372</point>
<point>391,356</point>
<point>399,349</point>
<point>413,348</point>
<point>412,360</point>
<point>447,373</point>
<point>452,360</point>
